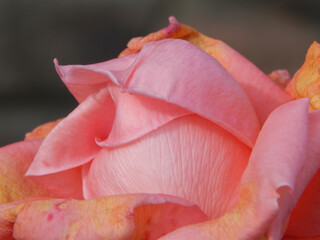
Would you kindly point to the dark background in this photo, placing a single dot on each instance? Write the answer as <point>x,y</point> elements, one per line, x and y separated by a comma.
<point>273,34</point>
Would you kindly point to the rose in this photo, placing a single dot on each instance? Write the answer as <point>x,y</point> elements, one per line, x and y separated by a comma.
<point>190,131</point>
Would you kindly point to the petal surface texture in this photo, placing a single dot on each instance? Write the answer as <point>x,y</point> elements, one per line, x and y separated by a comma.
<point>137,216</point>
<point>189,157</point>
<point>263,93</point>
<point>306,81</point>
<point>267,191</point>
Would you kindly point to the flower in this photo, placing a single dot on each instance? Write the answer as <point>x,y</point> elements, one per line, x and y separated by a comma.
<point>175,139</point>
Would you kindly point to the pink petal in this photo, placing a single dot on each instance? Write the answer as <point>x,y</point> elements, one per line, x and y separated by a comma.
<point>14,162</point>
<point>180,73</point>
<point>263,93</point>
<point>136,116</point>
<point>305,218</point>
<point>72,142</point>
<point>189,157</point>
<point>137,216</point>
<point>268,182</point>
<point>82,81</point>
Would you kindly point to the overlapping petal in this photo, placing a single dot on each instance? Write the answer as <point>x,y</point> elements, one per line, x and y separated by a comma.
<point>189,157</point>
<point>268,185</point>
<point>263,93</point>
<point>137,216</point>
<point>72,142</point>
<point>178,73</point>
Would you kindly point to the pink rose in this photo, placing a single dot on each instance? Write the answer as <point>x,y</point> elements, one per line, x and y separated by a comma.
<point>169,141</point>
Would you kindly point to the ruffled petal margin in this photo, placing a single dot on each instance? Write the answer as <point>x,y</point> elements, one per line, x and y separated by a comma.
<point>136,216</point>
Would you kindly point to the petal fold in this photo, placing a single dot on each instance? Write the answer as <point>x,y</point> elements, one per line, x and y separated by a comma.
<point>136,216</point>
<point>262,92</point>
<point>72,142</point>
<point>179,73</point>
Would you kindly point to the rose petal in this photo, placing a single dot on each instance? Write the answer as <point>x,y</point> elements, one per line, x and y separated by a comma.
<point>72,142</point>
<point>167,161</point>
<point>82,83</point>
<point>305,218</point>
<point>263,93</point>
<point>118,217</point>
<point>265,187</point>
<point>14,162</point>
<point>136,116</point>
<point>180,73</point>
<point>305,82</point>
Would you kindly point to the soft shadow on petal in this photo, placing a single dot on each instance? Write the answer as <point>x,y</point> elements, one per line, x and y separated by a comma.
<point>82,81</point>
<point>268,184</point>
<point>72,142</point>
<point>263,93</point>
<point>305,218</point>
<point>189,157</point>
<point>138,216</point>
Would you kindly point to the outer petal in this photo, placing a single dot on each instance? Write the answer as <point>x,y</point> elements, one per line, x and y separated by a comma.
<point>263,93</point>
<point>117,217</point>
<point>266,190</point>
<point>306,81</point>
<point>180,73</point>
<point>168,161</point>
<point>14,162</point>
<point>305,218</point>
<point>72,142</point>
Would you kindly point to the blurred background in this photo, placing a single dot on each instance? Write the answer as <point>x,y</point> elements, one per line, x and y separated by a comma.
<point>273,34</point>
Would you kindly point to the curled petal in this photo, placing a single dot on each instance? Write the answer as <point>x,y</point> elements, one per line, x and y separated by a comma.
<point>179,73</point>
<point>306,81</point>
<point>136,216</point>
<point>72,142</point>
<point>266,191</point>
<point>263,93</point>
